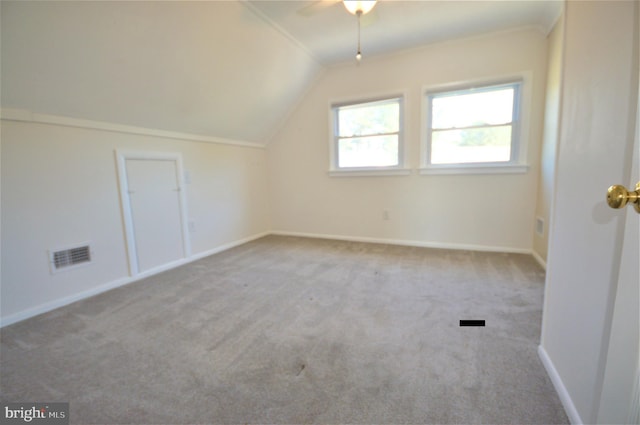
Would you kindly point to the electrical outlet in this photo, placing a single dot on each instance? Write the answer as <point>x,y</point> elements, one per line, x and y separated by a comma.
<point>385,215</point>
<point>539,226</point>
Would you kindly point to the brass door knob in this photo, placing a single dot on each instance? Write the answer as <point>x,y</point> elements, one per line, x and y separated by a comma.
<point>618,196</point>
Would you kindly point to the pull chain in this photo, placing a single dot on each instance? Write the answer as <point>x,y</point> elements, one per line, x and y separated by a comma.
<point>359,54</point>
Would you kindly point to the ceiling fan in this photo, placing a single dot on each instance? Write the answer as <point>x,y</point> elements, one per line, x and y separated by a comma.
<point>320,5</point>
<point>358,8</point>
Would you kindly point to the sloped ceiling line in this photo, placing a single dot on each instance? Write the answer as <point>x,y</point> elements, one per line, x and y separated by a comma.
<point>214,69</point>
<point>281,30</point>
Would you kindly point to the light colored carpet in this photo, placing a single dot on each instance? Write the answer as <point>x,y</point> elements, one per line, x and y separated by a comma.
<point>294,330</point>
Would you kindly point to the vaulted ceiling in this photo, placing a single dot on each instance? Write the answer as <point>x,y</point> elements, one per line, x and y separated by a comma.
<point>226,69</point>
<point>206,68</point>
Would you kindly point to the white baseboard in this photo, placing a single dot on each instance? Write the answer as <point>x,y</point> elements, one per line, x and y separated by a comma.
<point>422,244</point>
<point>52,305</point>
<point>61,302</point>
<point>565,398</point>
<point>539,259</point>
<point>227,246</point>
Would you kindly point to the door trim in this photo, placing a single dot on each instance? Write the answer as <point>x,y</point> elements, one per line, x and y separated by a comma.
<point>121,157</point>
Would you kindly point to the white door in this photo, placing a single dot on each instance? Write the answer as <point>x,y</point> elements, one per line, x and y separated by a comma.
<point>623,358</point>
<point>155,209</point>
<point>153,190</point>
<point>597,126</point>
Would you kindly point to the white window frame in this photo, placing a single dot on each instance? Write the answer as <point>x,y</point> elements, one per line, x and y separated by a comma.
<point>335,170</point>
<point>519,142</point>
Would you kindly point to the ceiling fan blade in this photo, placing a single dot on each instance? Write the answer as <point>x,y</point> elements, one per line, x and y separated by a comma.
<point>316,7</point>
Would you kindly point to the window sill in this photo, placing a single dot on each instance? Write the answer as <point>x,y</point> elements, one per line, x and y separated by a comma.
<point>474,169</point>
<point>370,172</point>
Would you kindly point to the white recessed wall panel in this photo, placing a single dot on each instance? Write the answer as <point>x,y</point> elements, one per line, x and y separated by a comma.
<point>154,189</point>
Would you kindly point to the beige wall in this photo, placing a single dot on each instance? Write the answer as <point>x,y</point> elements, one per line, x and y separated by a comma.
<point>489,211</point>
<point>550,140</point>
<point>60,187</point>
<point>59,183</point>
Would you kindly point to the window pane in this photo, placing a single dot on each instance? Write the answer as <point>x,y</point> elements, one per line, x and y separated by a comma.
<point>374,151</point>
<point>369,118</point>
<point>464,110</point>
<point>490,144</point>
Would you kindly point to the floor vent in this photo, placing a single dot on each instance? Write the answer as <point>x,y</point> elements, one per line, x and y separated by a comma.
<point>69,258</point>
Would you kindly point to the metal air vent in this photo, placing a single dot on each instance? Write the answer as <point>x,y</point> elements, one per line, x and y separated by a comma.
<point>69,258</point>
